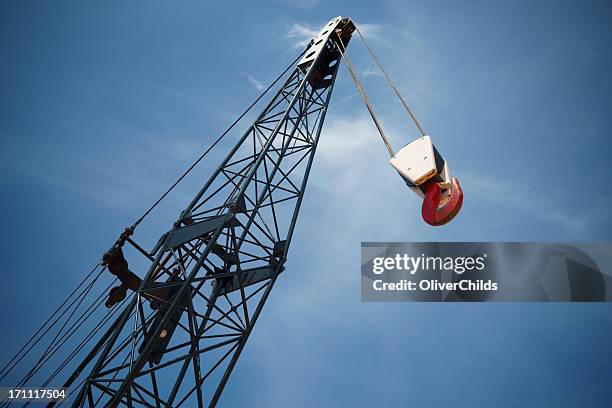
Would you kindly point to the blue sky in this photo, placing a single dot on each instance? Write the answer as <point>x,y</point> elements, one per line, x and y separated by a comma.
<point>103,105</point>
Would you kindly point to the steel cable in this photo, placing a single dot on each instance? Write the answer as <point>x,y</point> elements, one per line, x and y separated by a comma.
<point>47,321</point>
<point>391,84</point>
<point>23,349</point>
<point>53,345</point>
<point>351,70</point>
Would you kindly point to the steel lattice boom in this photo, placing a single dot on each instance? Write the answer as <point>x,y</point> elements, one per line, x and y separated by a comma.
<point>212,273</point>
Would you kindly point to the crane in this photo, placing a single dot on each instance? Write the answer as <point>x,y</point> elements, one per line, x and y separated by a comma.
<point>209,276</point>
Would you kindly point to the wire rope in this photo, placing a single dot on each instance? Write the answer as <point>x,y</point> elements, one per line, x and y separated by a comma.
<point>353,73</point>
<point>391,84</point>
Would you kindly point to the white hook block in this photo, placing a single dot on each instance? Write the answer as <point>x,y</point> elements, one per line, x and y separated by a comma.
<point>416,161</point>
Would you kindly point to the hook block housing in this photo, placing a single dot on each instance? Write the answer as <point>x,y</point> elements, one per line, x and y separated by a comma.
<point>418,162</point>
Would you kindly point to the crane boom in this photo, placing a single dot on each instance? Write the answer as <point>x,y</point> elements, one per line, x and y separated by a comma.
<point>212,272</point>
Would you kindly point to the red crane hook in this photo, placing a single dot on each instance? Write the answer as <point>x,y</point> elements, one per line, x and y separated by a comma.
<point>436,212</point>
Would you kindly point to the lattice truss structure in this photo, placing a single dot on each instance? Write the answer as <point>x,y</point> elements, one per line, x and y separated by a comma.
<point>178,340</point>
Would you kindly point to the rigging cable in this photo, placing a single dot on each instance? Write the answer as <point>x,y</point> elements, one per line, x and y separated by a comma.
<point>351,70</point>
<point>58,341</point>
<point>384,72</point>
<point>25,349</point>
<point>53,348</point>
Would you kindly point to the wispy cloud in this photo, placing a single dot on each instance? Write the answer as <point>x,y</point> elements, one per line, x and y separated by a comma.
<point>369,30</point>
<point>122,179</point>
<point>301,34</point>
<point>372,71</point>
<point>514,197</point>
<point>301,4</point>
<point>255,83</point>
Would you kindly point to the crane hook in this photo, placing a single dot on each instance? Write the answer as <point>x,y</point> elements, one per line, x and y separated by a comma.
<point>438,210</point>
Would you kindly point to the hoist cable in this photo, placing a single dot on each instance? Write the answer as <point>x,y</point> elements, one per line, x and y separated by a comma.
<point>61,337</point>
<point>111,312</point>
<point>201,157</point>
<point>56,344</point>
<point>351,70</point>
<point>25,349</point>
<point>81,345</point>
<point>391,84</point>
